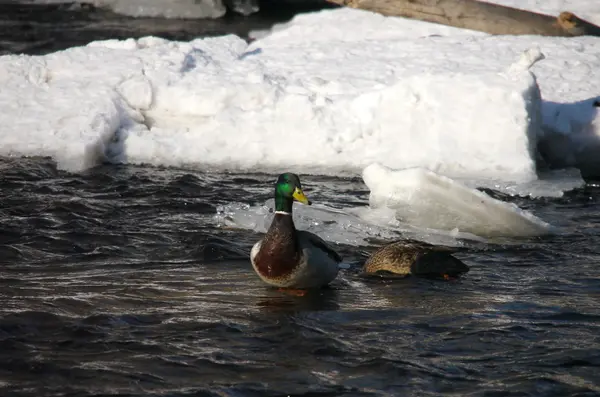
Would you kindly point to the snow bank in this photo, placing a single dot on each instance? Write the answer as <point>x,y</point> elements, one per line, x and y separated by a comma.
<point>217,103</point>
<point>315,102</point>
<point>254,120</point>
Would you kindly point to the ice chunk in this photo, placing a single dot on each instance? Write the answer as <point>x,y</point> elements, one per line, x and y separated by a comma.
<point>425,199</point>
<point>353,226</point>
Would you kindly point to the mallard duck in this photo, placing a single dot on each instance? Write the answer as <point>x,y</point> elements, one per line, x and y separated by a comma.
<point>290,258</point>
<point>406,257</point>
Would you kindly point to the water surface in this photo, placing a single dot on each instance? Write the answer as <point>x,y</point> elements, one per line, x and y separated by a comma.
<point>119,281</point>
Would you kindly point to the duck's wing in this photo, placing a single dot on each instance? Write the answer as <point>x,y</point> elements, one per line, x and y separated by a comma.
<point>319,243</point>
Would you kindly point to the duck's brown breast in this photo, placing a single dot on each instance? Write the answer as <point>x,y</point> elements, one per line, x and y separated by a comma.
<point>278,255</point>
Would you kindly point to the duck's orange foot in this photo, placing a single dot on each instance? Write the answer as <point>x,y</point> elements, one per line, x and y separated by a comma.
<point>294,292</point>
<point>448,277</point>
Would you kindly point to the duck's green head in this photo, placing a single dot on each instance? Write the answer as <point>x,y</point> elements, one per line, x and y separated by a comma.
<point>288,189</point>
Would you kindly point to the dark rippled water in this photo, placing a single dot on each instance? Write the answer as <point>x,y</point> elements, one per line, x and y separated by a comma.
<point>119,282</point>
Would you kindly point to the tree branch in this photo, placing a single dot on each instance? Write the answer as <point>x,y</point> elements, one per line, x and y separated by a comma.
<point>481,16</point>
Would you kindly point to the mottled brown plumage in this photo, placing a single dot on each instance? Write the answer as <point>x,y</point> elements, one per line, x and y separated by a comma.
<point>406,257</point>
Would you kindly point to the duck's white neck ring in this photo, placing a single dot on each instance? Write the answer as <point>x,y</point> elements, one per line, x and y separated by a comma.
<point>283,213</point>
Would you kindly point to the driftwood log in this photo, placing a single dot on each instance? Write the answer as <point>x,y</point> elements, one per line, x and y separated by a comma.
<point>481,16</point>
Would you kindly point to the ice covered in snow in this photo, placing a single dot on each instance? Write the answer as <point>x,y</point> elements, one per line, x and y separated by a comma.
<point>425,199</point>
<point>217,102</point>
<point>326,101</point>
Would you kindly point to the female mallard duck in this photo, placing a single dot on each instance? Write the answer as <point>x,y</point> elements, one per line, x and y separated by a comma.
<point>290,258</point>
<point>402,258</point>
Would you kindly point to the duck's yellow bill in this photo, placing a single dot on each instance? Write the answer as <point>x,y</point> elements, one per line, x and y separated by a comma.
<point>299,196</point>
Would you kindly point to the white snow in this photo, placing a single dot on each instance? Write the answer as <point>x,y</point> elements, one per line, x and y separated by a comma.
<point>325,27</point>
<point>254,119</point>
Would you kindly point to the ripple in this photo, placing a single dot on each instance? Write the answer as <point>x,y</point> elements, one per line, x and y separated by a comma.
<point>117,281</point>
